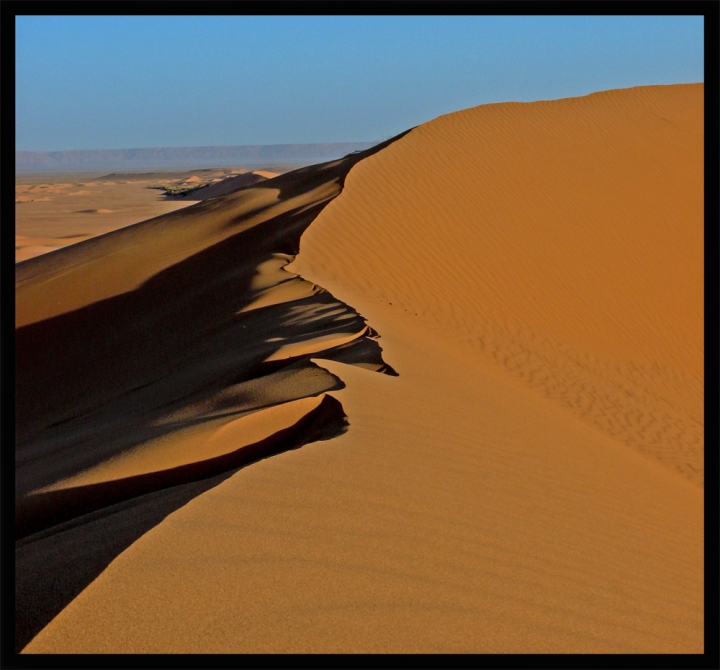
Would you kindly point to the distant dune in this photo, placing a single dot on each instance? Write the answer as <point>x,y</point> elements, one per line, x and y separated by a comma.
<point>207,460</point>
<point>123,159</point>
<point>195,188</point>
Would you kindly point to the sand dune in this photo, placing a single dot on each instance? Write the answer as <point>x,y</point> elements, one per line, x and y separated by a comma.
<point>28,247</point>
<point>530,482</point>
<point>210,441</point>
<point>220,187</point>
<point>565,241</point>
<point>266,173</point>
<point>146,364</point>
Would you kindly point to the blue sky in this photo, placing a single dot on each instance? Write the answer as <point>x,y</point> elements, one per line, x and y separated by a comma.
<point>104,82</point>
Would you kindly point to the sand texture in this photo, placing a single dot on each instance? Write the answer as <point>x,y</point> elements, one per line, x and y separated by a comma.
<point>526,475</point>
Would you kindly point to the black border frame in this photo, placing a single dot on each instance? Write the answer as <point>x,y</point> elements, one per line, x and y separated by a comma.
<point>710,659</point>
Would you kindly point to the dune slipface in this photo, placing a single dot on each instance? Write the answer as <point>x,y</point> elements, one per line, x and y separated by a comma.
<point>154,361</point>
<point>532,479</point>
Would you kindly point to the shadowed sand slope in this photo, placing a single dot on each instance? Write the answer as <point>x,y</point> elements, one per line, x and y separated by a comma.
<point>167,353</point>
<point>531,482</point>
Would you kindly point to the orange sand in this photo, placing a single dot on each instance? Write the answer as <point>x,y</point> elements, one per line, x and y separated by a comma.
<point>532,480</point>
<point>53,215</point>
<point>56,214</point>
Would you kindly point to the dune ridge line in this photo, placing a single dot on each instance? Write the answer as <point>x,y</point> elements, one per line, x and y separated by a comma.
<point>146,354</point>
<point>530,483</point>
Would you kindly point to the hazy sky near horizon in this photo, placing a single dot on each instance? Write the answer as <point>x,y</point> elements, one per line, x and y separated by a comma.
<point>120,82</point>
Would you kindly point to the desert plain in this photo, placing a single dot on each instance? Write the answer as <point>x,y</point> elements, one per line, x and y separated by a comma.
<point>56,209</point>
<point>442,395</point>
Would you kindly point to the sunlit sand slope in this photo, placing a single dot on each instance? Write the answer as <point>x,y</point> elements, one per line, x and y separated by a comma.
<point>531,482</point>
<point>457,514</point>
<point>563,239</point>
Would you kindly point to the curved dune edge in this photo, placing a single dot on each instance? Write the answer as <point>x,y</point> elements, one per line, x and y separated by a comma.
<point>29,247</point>
<point>315,345</point>
<point>27,251</point>
<point>310,327</point>
<point>144,472</point>
<point>464,512</point>
<point>563,242</point>
<point>214,190</point>
<point>133,347</point>
<point>236,246</point>
<point>473,526</point>
<point>187,449</point>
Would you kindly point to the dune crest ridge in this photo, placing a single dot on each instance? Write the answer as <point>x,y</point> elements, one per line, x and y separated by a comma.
<point>564,242</point>
<point>163,356</point>
<point>531,482</point>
